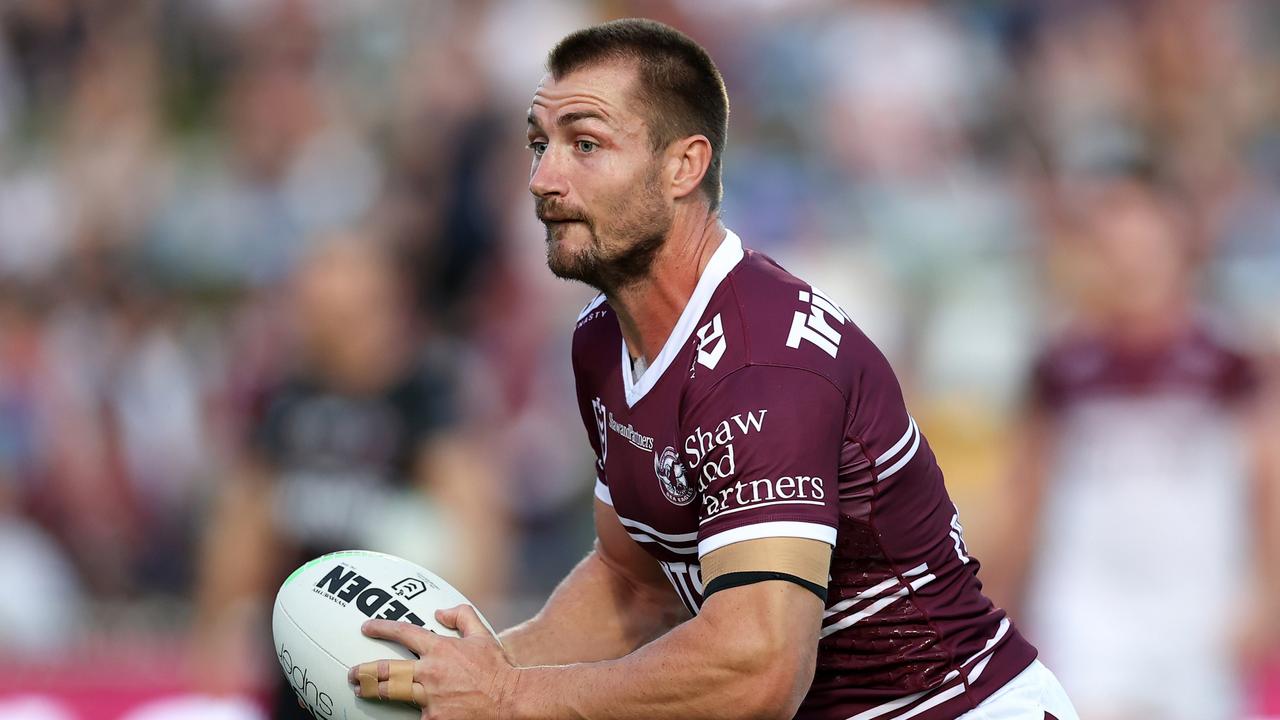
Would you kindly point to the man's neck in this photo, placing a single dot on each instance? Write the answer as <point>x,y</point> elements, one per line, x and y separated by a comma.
<point>649,309</point>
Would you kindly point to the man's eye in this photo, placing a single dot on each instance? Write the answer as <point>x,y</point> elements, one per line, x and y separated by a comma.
<point>586,146</point>
<point>538,147</point>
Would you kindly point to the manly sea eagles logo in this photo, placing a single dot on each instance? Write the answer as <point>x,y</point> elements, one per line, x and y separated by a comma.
<point>671,478</point>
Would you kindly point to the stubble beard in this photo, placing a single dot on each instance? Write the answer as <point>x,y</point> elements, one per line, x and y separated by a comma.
<point>637,226</point>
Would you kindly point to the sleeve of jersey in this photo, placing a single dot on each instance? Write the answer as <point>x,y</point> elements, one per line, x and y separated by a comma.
<point>763,446</point>
<point>593,419</point>
<point>1045,390</point>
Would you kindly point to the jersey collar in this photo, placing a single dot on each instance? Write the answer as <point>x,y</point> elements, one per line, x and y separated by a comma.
<point>725,259</point>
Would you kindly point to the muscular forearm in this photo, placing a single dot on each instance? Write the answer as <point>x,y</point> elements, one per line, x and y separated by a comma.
<point>595,614</point>
<point>730,667</point>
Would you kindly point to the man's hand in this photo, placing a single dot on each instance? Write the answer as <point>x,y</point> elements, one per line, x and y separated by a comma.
<point>465,678</point>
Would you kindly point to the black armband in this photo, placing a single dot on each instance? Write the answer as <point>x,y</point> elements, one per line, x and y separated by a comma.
<point>738,579</point>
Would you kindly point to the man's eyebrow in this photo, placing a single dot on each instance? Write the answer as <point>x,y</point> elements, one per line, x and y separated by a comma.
<point>573,117</point>
<point>570,118</point>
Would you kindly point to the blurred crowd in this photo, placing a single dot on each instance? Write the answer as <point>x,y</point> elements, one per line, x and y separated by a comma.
<point>271,284</point>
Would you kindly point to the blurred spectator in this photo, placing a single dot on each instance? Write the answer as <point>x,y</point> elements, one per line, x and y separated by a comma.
<point>1141,547</point>
<point>361,444</point>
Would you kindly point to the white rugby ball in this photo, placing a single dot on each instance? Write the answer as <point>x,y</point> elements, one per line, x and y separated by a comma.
<point>316,626</point>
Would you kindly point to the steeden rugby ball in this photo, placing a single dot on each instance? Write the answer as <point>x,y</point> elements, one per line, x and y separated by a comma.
<point>316,626</point>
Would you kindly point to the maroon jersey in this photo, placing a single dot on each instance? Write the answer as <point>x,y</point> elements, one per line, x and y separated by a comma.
<point>1084,367</point>
<point>769,414</point>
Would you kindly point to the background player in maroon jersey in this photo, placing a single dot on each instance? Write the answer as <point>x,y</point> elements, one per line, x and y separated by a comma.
<point>1102,499</point>
<point>754,454</point>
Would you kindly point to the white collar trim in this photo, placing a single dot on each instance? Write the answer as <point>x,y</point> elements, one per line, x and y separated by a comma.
<point>725,259</point>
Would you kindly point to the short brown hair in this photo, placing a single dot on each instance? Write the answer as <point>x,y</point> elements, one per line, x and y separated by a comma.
<point>679,83</point>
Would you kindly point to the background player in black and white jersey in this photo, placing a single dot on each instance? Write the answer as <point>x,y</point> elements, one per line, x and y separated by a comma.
<point>357,444</point>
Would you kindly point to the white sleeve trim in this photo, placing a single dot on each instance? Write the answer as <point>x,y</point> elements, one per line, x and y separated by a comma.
<point>782,528</point>
<point>602,493</point>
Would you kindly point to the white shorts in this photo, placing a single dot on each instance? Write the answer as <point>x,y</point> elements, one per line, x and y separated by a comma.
<point>1035,694</point>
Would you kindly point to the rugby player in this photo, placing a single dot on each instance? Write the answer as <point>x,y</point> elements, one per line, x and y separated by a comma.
<point>774,537</point>
<point>1108,496</point>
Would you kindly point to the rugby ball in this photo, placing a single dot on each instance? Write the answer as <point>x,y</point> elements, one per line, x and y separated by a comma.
<point>316,626</point>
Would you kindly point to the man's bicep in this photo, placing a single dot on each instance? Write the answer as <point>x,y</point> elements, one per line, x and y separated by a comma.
<point>624,556</point>
<point>777,620</point>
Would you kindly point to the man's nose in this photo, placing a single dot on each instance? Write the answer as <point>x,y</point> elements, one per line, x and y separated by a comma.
<point>547,179</point>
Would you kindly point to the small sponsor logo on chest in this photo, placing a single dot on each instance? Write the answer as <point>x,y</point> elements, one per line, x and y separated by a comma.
<point>633,436</point>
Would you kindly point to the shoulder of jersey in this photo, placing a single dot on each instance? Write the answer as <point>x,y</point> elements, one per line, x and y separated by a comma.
<point>595,333</point>
<point>593,310</point>
<point>763,315</point>
<point>592,319</point>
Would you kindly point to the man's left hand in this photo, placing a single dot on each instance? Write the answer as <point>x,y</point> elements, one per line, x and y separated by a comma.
<point>466,678</point>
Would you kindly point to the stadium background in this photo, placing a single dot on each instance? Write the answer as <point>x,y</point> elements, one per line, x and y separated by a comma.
<point>167,166</point>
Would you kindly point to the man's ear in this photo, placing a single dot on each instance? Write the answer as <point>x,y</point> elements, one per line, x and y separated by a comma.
<point>689,159</point>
